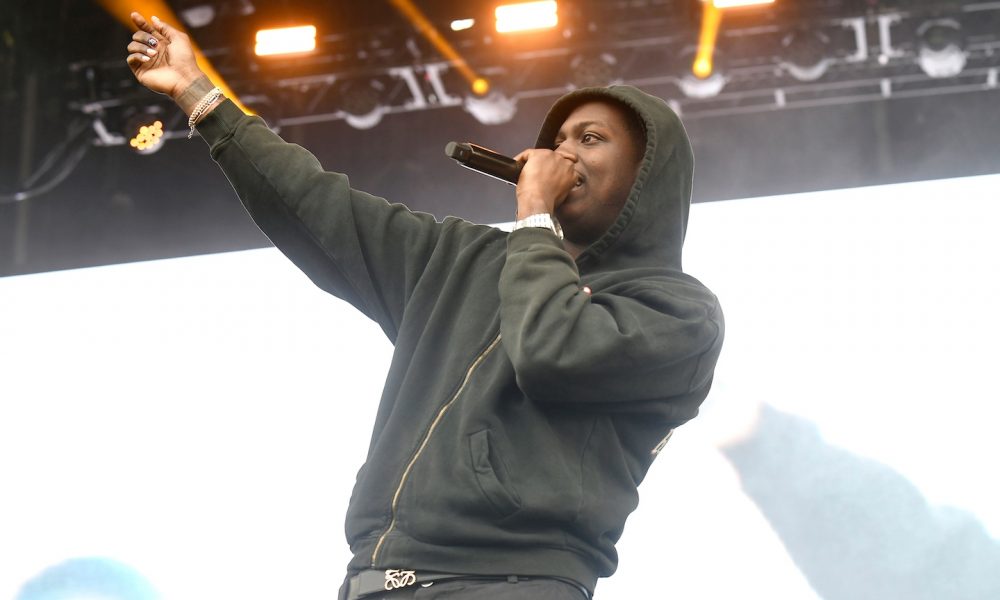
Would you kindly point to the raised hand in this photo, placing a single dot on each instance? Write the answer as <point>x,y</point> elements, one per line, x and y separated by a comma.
<point>161,57</point>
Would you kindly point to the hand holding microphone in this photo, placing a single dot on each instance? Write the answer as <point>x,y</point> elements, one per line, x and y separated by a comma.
<point>550,176</point>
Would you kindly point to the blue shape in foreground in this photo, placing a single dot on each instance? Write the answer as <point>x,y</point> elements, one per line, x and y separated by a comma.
<point>89,577</point>
<point>856,528</point>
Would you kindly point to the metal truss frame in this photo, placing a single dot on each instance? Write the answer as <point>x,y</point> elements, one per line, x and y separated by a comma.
<point>866,57</point>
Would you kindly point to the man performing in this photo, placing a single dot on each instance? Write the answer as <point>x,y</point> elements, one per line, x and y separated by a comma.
<point>536,374</point>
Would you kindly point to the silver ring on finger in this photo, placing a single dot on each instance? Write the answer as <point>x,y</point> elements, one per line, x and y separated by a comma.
<point>152,41</point>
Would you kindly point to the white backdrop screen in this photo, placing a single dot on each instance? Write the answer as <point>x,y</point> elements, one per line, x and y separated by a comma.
<point>190,429</point>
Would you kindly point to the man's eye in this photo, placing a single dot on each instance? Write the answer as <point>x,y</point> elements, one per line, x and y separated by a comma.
<point>588,137</point>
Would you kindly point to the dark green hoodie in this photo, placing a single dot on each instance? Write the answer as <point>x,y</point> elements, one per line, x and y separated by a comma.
<point>521,410</point>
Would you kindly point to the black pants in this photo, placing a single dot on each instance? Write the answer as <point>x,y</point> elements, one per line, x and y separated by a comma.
<point>470,589</point>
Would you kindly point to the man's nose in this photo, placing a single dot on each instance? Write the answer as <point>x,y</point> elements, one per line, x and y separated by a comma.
<point>567,150</point>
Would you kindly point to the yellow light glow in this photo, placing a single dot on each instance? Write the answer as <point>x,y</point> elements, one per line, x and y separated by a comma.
<point>710,21</point>
<point>480,86</point>
<point>462,24</point>
<point>736,3</point>
<point>526,16</point>
<point>149,136</point>
<point>702,68</point>
<point>422,24</point>
<point>285,40</point>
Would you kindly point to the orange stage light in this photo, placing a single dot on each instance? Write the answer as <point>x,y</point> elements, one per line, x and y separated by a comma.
<point>148,137</point>
<point>423,25</point>
<point>736,3</point>
<point>285,40</point>
<point>480,86</point>
<point>710,22</point>
<point>526,16</point>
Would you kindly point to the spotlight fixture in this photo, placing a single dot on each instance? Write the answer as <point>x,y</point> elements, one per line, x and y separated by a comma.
<point>696,82</point>
<point>285,40</point>
<point>806,54</point>
<point>590,70</point>
<point>739,3</point>
<point>494,108</point>
<point>941,52</point>
<point>526,16</point>
<point>198,16</point>
<point>702,87</point>
<point>145,131</point>
<point>361,103</point>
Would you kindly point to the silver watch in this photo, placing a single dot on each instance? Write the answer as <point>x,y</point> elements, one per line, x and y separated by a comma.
<point>544,220</point>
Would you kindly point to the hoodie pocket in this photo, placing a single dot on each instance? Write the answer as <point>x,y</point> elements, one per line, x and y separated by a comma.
<point>492,475</point>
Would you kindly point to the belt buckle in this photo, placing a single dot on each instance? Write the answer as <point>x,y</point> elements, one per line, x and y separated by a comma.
<point>399,578</point>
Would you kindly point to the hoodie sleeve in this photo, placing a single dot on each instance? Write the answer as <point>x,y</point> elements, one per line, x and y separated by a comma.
<point>353,245</point>
<point>611,350</point>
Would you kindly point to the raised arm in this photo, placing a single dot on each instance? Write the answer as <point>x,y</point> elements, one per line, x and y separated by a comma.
<point>356,246</point>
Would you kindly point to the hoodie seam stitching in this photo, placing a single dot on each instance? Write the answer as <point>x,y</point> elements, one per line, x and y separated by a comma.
<point>583,470</point>
<point>701,355</point>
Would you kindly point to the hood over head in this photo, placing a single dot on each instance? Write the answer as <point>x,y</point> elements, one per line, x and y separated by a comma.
<point>649,230</point>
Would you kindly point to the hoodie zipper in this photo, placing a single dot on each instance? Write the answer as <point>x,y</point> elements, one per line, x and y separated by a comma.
<point>430,431</point>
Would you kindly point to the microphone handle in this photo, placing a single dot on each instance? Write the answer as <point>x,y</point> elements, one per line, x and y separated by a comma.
<point>485,161</point>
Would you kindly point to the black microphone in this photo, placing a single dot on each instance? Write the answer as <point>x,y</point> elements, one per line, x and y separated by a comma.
<point>485,161</point>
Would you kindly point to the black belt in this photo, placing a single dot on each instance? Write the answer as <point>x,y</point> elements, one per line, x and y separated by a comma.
<point>372,581</point>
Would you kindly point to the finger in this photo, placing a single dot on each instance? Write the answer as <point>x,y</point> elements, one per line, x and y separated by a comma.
<point>524,155</point>
<point>136,60</point>
<point>145,38</point>
<point>141,22</point>
<point>165,30</point>
<point>566,155</point>
<point>140,48</point>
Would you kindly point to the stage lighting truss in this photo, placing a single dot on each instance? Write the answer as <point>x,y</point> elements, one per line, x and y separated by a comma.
<point>768,58</point>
